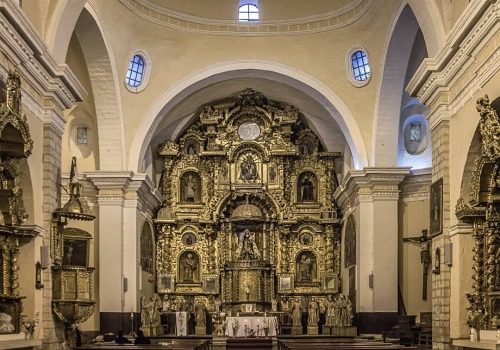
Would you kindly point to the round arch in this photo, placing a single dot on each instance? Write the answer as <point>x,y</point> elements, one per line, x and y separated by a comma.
<point>60,26</point>
<point>103,77</point>
<point>429,20</point>
<point>387,110</point>
<point>309,85</point>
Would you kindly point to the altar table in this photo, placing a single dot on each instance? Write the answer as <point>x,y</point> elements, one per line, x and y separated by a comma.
<point>251,322</point>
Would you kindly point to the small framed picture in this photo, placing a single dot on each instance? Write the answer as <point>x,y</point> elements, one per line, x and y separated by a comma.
<point>211,283</point>
<point>75,248</point>
<point>75,252</point>
<point>306,239</point>
<point>189,239</point>
<point>166,283</point>
<point>436,208</point>
<point>249,308</point>
<point>330,283</point>
<point>285,283</point>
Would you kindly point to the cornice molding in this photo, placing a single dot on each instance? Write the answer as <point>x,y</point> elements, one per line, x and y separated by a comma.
<point>54,119</point>
<point>436,76</point>
<point>22,44</point>
<point>307,25</point>
<point>416,186</point>
<point>460,229</point>
<point>127,187</point>
<point>371,184</point>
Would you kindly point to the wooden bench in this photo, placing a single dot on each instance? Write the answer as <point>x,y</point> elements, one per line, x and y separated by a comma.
<point>323,343</point>
<point>249,343</point>
<point>157,344</point>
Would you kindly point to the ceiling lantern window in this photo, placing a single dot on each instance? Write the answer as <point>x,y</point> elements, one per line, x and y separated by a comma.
<point>248,12</point>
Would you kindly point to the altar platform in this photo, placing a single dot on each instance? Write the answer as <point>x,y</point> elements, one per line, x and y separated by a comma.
<point>251,326</point>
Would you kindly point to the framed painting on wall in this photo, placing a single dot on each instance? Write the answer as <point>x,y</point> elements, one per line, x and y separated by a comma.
<point>285,283</point>
<point>211,283</point>
<point>166,283</point>
<point>330,283</point>
<point>436,208</point>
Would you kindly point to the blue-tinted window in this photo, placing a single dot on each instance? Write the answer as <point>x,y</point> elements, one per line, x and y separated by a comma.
<point>135,71</point>
<point>248,13</point>
<point>360,66</point>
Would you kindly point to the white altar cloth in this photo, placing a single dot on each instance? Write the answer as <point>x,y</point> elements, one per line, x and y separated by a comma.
<point>251,323</point>
<point>181,323</point>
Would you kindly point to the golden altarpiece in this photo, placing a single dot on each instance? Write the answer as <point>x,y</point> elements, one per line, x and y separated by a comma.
<point>15,146</point>
<point>479,205</point>
<point>249,218</point>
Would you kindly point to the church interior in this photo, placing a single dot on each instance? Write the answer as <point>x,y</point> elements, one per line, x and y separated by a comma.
<point>250,170</point>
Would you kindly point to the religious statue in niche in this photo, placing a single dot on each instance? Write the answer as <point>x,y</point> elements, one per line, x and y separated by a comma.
<point>189,264</point>
<point>248,169</point>
<point>190,188</point>
<point>305,266</point>
<point>191,147</point>
<point>247,247</point>
<point>224,171</point>
<point>306,148</point>
<point>272,174</point>
<point>306,187</point>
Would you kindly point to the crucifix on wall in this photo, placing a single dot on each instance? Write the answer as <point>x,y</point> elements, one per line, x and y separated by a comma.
<point>424,241</point>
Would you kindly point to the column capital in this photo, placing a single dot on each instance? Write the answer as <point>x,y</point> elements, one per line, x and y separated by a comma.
<point>371,184</point>
<point>125,186</point>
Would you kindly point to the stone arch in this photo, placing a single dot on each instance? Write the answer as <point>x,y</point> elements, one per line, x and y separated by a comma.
<point>310,85</point>
<point>103,77</point>
<point>431,24</point>
<point>388,105</point>
<point>60,25</point>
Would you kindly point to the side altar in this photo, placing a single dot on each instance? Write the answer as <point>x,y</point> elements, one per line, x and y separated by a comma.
<point>249,216</point>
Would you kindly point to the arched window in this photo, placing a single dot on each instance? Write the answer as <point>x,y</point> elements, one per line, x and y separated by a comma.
<point>135,71</point>
<point>360,65</point>
<point>248,13</point>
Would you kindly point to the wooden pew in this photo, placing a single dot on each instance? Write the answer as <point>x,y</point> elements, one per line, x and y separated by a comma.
<point>335,344</point>
<point>157,344</point>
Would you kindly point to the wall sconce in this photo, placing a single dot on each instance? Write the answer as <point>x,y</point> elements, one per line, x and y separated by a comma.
<point>371,278</point>
<point>38,275</point>
<point>448,254</point>
<point>437,262</point>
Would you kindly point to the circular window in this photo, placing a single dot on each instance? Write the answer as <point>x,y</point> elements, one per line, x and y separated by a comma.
<point>249,131</point>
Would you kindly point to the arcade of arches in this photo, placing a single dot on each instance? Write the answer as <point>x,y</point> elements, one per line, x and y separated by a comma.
<point>249,169</point>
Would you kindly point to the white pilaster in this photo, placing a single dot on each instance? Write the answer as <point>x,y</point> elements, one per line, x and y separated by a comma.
<point>462,244</point>
<point>124,199</point>
<point>373,194</point>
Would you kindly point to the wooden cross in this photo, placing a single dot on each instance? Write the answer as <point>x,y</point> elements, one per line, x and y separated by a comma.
<point>424,242</point>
